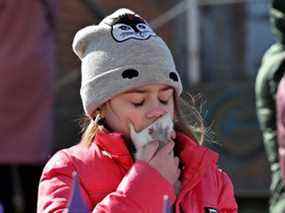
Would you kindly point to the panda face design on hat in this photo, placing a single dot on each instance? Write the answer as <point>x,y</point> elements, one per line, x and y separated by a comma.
<point>130,26</point>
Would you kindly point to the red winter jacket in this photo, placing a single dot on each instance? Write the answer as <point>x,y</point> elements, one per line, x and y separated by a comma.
<point>111,181</point>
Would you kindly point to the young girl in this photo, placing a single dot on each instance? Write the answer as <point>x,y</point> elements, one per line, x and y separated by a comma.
<point>129,82</point>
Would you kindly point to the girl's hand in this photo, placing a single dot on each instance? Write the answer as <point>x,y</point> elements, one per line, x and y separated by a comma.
<point>147,152</point>
<point>162,160</point>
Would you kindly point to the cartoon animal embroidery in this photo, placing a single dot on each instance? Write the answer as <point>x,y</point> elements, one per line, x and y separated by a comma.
<point>130,26</point>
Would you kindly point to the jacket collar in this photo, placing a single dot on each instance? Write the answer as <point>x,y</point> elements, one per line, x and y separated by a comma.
<point>115,146</point>
<point>194,157</point>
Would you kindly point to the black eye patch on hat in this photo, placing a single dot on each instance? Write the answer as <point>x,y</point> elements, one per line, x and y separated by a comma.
<point>130,73</point>
<point>173,76</point>
<point>130,26</point>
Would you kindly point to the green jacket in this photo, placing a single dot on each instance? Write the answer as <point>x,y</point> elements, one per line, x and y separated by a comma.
<point>277,18</point>
<point>268,77</point>
<point>267,80</point>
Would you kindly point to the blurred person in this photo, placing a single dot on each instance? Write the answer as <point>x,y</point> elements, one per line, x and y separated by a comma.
<point>267,80</point>
<point>280,108</point>
<point>27,69</point>
<point>136,148</point>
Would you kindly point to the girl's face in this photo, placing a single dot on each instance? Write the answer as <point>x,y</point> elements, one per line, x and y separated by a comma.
<point>141,106</point>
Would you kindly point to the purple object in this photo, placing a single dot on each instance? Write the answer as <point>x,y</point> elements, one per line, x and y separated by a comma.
<point>76,203</point>
<point>1,208</point>
<point>166,205</point>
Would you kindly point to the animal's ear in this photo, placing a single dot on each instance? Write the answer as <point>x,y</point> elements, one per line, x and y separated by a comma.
<point>83,38</point>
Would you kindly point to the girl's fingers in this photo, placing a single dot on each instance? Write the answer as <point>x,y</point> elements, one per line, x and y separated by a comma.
<point>178,173</point>
<point>172,135</point>
<point>166,149</point>
<point>151,148</point>
<point>176,160</point>
<point>171,153</point>
<point>147,152</point>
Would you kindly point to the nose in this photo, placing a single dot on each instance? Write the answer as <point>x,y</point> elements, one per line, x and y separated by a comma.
<point>156,112</point>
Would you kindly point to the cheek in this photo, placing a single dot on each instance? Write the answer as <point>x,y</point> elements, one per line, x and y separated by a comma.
<point>137,118</point>
<point>119,122</point>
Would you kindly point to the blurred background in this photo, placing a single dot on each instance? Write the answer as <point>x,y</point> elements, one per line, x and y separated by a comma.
<point>217,46</point>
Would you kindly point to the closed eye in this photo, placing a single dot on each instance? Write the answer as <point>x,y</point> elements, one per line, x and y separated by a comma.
<point>138,104</point>
<point>164,102</point>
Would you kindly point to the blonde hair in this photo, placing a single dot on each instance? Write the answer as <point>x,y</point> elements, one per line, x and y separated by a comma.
<point>188,120</point>
<point>89,128</point>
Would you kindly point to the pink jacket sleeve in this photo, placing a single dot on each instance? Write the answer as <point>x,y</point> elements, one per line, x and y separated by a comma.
<point>141,190</point>
<point>55,184</point>
<point>226,200</point>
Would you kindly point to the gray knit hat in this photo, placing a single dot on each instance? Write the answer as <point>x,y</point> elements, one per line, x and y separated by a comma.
<point>120,53</point>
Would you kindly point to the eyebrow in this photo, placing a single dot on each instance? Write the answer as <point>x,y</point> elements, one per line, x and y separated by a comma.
<point>142,91</point>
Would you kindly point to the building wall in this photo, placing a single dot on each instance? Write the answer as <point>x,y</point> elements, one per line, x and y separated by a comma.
<point>233,38</point>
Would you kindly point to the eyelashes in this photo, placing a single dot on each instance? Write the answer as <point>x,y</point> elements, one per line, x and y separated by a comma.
<point>138,104</point>
<point>141,103</point>
<point>164,102</point>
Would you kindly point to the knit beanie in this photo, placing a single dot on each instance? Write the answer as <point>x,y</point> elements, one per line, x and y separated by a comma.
<point>122,52</point>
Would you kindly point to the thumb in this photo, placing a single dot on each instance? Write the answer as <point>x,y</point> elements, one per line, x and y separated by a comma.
<point>134,136</point>
<point>151,148</point>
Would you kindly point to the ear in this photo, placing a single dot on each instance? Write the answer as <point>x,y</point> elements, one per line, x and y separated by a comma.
<point>107,108</point>
<point>103,108</point>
